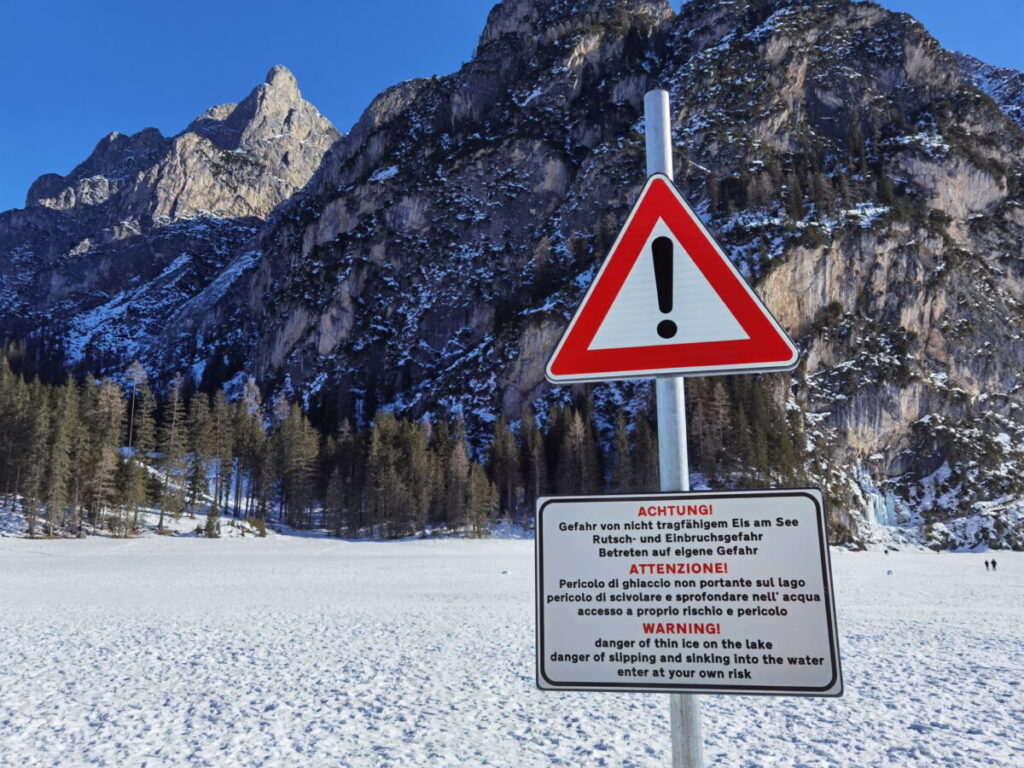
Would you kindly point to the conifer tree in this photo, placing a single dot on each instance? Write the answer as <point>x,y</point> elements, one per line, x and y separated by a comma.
<point>793,449</point>
<point>713,194</point>
<point>481,501</point>
<point>298,448</point>
<point>759,422</point>
<point>222,445</point>
<point>250,441</point>
<point>380,467</point>
<point>504,468</point>
<point>622,471</point>
<point>535,476</point>
<point>392,499</point>
<point>212,527</point>
<point>794,200</point>
<point>325,462</point>
<point>131,484</point>
<point>457,481</point>
<point>577,459</point>
<point>645,466</point>
<point>697,396</point>
<point>80,451</point>
<point>145,440</point>
<point>200,447</point>
<point>744,444</point>
<point>274,467</point>
<point>557,423</point>
<point>58,465</point>
<point>718,419</point>
<point>141,427</point>
<point>824,197</point>
<point>416,460</point>
<point>104,416</point>
<point>335,508</point>
<point>884,189</point>
<point>855,145</point>
<point>15,424</point>
<point>173,446</point>
<point>350,468</point>
<point>441,451</point>
<point>37,451</point>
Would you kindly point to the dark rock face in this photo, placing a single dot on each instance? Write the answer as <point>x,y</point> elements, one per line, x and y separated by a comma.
<point>854,169</point>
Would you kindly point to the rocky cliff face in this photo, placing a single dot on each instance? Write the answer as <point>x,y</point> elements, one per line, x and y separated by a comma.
<point>110,262</point>
<point>867,181</point>
<point>1004,86</point>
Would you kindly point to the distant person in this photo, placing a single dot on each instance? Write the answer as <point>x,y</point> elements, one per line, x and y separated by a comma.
<point>993,563</point>
<point>986,565</point>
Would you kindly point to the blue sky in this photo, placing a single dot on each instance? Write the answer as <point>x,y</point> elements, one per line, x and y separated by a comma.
<point>75,71</point>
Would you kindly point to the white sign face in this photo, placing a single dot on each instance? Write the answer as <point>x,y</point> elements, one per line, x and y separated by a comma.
<point>704,592</point>
<point>633,318</point>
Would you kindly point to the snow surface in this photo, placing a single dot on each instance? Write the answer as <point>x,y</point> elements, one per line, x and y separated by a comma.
<point>12,522</point>
<point>292,651</point>
<point>385,173</point>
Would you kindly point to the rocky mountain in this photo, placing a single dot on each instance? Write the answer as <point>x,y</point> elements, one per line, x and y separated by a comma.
<point>128,255</point>
<point>867,181</point>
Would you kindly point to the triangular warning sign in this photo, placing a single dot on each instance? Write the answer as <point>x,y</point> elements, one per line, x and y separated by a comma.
<point>667,301</point>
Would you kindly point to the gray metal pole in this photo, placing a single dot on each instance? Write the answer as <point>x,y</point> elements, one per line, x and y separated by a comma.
<point>684,710</point>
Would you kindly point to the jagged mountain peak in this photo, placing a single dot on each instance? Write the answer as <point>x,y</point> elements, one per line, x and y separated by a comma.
<point>234,160</point>
<point>271,110</point>
<point>279,76</point>
<point>116,156</point>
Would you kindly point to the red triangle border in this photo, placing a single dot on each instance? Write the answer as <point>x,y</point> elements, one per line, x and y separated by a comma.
<point>767,347</point>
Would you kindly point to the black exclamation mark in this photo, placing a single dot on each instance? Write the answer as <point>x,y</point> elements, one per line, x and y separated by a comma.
<point>662,249</point>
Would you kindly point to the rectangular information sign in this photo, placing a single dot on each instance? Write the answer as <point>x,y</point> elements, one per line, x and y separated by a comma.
<point>701,592</point>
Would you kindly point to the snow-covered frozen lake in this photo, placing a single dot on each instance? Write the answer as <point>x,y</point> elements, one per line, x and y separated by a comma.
<point>311,652</point>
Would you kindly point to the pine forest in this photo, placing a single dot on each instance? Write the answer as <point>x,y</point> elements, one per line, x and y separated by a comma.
<point>90,456</point>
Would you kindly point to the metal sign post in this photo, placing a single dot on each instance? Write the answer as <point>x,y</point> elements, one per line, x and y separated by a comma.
<point>684,710</point>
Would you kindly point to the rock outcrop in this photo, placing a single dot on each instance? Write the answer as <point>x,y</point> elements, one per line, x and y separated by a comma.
<point>1005,86</point>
